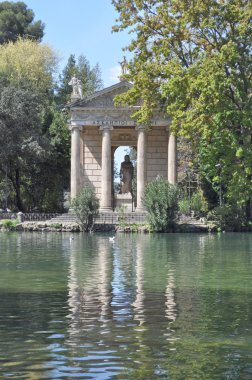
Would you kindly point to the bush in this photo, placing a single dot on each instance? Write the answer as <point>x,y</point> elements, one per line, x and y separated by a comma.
<point>121,215</point>
<point>184,206</point>
<point>228,217</point>
<point>198,203</point>
<point>86,207</point>
<point>9,224</point>
<point>160,200</point>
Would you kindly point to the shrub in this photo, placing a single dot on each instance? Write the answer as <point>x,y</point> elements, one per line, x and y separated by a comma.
<point>228,217</point>
<point>9,224</point>
<point>86,207</point>
<point>160,200</point>
<point>56,225</point>
<point>198,203</point>
<point>184,206</point>
<point>121,215</point>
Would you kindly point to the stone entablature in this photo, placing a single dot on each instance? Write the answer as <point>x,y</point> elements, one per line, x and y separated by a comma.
<point>98,128</point>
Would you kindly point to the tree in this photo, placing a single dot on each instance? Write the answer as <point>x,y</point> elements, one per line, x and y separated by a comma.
<point>46,178</point>
<point>90,77</point>
<point>16,20</point>
<point>19,130</point>
<point>194,59</point>
<point>26,82</point>
<point>28,64</point>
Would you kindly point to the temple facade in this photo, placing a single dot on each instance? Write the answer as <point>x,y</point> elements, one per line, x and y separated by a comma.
<point>98,128</point>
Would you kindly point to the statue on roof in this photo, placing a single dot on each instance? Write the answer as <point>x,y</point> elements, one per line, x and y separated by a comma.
<point>124,66</point>
<point>77,88</point>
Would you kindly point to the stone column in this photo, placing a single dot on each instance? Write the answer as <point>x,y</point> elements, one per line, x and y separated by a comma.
<point>141,166</point>
<point>172,159</point>
<point>75,160</point>
<point>106,169</point>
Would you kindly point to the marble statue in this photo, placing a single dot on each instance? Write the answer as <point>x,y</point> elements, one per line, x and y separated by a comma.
<point>77,87</point>
<point>80,88</point>
<point>126,175</point>
<point>124,65</point>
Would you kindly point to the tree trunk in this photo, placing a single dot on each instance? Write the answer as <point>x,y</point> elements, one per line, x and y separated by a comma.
<point>15,179</point>
<point>249,210</point>
<point>20,205</point>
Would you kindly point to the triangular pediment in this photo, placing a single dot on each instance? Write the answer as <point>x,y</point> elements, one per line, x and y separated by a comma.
<point>103,98</point>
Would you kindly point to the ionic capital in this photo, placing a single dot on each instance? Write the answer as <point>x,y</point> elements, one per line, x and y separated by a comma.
<point>105,127</point>
<point>71,127</point>
<point>141,128</point>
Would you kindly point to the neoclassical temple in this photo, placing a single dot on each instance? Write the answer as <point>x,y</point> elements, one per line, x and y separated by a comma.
<point>98,128</point>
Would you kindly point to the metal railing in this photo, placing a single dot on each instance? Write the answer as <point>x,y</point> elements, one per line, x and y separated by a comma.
<point>32,217</point>
<point>115,218</point>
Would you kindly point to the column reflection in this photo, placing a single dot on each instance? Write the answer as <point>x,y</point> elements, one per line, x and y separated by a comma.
<point>138,304</point>
<point>89,285</point>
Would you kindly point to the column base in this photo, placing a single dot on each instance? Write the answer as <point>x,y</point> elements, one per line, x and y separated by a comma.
<point>140,209</point>
<point>105,209</point>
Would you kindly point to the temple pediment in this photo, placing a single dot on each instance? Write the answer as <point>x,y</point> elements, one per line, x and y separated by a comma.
<point>103,98</point>
<point>99,109</point>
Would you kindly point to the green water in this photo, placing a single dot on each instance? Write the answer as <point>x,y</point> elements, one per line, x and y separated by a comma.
<point>168,306</point>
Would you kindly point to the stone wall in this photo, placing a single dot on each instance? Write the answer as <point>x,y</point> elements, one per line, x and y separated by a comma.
<point>157,153</point>
<point>91,158</point>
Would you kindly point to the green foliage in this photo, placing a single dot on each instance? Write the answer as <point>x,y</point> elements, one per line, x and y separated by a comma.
<point>29,65</point>
<point>86,207</point>
<point>198,203</point>
<point>9,224</point>
<point>90,77</point>
<point>121,216</point>
<point>184,206</point>
<point>194,59</point>
<point>160,200</point>
<point>35,153</point>
<point>16,20</point>
<point>19,134</point>
<point>56,225</point>
<point>228,217</point>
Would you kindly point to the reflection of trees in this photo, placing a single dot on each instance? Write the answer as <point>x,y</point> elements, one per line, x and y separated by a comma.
<point>32,286</point>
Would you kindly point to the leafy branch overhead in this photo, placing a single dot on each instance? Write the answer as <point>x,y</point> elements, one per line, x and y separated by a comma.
<point>194,59</point>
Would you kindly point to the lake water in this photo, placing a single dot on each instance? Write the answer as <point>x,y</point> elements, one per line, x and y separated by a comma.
<point>146,307</point>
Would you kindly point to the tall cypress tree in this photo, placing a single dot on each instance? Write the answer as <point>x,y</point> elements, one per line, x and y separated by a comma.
<point>90,77</point>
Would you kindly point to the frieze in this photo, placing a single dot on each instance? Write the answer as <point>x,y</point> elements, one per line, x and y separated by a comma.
<point>116,123</point>
<point>116,118</point>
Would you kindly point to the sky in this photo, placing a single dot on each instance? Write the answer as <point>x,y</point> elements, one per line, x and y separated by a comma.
<point>83,27</point>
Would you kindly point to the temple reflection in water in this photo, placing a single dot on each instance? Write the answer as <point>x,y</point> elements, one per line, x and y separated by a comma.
<point>110,295</point>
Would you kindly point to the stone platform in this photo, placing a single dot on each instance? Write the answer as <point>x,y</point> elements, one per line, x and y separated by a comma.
<point>124,200</point>
<point>109,217</point>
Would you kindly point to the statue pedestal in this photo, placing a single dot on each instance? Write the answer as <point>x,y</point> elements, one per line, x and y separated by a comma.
<point>124,200</point>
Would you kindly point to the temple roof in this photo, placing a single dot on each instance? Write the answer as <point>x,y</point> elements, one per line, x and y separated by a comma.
<point>102,98</point>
